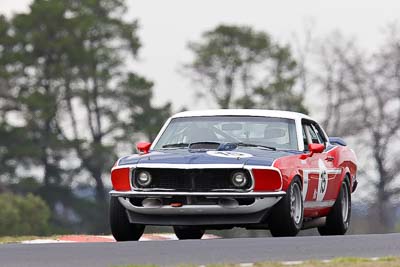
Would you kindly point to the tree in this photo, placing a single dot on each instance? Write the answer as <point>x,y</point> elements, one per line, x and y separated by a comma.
<point>363,100</point>
<point>241,67</point>
<point>61,65</point>
<point>33,64</point>
<point>146,118</point>
<point>101,43</point>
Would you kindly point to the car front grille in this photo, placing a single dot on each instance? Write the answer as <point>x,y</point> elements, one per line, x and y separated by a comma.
<point>194,180</point>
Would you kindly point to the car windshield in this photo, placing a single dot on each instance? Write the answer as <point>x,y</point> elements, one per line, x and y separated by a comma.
<point>279,133</point>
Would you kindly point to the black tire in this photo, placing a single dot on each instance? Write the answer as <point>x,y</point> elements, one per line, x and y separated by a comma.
<point>283,221</point>
<point>121,228</point>
<point>188,232</point>
<point>338,221</point>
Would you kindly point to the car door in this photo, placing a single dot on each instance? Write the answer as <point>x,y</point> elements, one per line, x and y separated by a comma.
<point>333,172</point>
<point>316,169</point>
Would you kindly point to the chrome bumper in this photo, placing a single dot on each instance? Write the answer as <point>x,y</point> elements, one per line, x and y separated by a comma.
<point>263,200</point>
<point>204,194</point>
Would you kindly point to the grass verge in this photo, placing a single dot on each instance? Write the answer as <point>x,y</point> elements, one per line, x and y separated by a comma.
<point>18,239</point>
<point>337,262</point>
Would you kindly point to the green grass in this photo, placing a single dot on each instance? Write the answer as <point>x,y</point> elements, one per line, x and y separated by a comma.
<point>337,262</point>
<point>18,239</point>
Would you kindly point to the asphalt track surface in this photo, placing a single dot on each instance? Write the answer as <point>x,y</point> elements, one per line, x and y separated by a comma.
<point>237,250</point>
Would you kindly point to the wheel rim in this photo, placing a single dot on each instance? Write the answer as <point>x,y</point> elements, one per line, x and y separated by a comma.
<point>296,208</point>
<point>345,203</point>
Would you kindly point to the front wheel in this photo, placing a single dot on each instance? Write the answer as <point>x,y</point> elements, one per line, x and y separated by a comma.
<point>188,232</point>
<point>121,228</point>
<point>338,219</point>
<point>287,216</point>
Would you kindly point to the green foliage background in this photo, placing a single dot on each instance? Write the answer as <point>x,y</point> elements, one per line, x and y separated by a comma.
<point>23,215</point>
<point>69,105</point>
<point>240,67</point>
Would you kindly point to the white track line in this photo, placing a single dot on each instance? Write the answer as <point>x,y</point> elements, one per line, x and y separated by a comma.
<point>292,262</point>
<point>45,241</point>
<point>146,237</point>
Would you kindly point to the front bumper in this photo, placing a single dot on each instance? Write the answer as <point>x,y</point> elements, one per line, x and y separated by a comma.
<point>221,212</point>
<point>115,193</point>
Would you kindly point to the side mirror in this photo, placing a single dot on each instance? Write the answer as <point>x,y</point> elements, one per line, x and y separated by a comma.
<point>316,148</point>
<point>143,147</point>
<point>313,148</point>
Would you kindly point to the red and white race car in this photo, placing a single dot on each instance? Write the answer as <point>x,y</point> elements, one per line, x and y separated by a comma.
<point>218,169</point>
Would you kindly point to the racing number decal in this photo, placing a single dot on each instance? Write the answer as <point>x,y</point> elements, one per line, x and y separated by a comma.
<point>322,181</point>
<point>319,189</point>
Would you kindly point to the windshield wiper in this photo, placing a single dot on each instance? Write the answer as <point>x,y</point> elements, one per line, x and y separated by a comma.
<point>176,145</point>
<point>254,145</point>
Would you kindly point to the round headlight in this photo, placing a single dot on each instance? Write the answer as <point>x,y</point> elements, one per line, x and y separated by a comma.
<point>239,179</point>
<point>143,178</point>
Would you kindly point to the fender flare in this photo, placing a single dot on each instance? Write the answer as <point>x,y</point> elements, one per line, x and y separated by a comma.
<point>345,173</point>
<point>293,174</point>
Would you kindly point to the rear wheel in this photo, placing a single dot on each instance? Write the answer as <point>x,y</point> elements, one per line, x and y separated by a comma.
<point>287,216</point>
<point>121,228</point>
<point>188,232</point>
<point>338,219</point>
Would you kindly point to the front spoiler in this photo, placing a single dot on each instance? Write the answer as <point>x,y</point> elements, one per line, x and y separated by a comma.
<point>204,194</point>
<point>210,214</point>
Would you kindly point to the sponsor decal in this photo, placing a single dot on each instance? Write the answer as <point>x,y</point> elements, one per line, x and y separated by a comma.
<point>229,154</point>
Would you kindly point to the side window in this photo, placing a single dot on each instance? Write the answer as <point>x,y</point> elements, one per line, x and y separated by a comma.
<point>313,135</point>
<point>318,133</point>
<point>305,140</point>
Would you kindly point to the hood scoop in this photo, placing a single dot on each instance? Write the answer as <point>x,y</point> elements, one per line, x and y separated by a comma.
<point>205,146</point>
<point>227,147</point>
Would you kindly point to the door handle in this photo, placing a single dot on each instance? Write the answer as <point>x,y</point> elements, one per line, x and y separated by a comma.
<point>329,158</point>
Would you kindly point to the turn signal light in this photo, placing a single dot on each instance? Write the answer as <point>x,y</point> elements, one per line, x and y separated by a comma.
<point>267,180</point>
<point>120,179</point>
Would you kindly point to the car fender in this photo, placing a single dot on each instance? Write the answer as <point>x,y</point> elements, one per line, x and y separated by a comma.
<point>289,168</point>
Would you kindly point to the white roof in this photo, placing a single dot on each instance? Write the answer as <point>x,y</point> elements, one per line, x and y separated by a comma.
<point>243,112</point>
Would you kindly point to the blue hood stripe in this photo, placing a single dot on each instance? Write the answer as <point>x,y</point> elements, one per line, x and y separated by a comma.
<point>259,157</point>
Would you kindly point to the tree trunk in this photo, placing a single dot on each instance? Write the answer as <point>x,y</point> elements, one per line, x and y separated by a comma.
<point>382,195</point>
<point>46,167</point>
<point>100,189</point>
